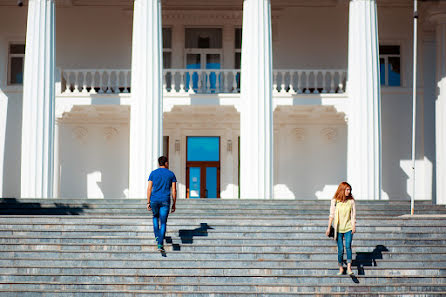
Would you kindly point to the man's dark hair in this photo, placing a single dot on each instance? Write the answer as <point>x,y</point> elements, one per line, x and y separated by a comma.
<point>162,161</point>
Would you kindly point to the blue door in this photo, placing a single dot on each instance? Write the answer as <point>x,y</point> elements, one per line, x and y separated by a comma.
<point>203,167</point>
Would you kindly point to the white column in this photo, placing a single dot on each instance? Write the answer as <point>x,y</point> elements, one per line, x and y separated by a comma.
<point>364,118</point>
<point>146,137</point>
<point>256,118</point>
<point>38,101</point>
<point>440,106</point>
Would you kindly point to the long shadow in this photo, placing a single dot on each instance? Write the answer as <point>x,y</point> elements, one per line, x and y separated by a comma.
<point>187,236</point>
<point>368,258</point>
<point>12,206</point>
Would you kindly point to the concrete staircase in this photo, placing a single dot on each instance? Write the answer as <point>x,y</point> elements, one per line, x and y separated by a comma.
<point>82,247</point>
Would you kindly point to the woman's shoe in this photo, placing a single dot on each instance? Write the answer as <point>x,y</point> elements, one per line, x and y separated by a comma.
<point>340,273</point>
<point>350,272</point>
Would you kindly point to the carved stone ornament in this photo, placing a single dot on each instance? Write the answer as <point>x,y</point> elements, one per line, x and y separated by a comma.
<point>300,134</point>
<point>110,133</point>
<point>329,134</point>
<point>80,133</point>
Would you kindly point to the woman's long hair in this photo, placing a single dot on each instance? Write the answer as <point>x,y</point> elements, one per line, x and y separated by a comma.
<point>340,192</point>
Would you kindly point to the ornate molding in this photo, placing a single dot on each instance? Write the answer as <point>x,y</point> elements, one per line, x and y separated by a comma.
<point>80,133</point>
<point>299,133</point>
<point>329,134</point>
<point>110,133</point>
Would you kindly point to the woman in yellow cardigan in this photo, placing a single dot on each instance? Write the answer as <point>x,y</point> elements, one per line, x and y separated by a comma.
<point>343,212</point>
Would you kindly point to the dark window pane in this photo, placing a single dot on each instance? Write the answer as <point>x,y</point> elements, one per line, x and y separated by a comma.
<point>203,149</point>
<point>17,49</point>
<point>389,49</point>
<point>166,146</point>
<point>17,70</point>
<point>238,60</point>
<point>203,38</point>
<point>238,38</point>
<point>167,38</point>
<point>167,60</point>
<point>382,71</point>
<point>394,71</point>
<point>211,182</point>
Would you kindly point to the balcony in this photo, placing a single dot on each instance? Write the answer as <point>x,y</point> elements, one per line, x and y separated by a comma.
<point>180,82</point>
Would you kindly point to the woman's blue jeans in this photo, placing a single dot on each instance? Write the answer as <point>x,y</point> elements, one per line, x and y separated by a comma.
<point>160,212</point>
<point>348,246</point>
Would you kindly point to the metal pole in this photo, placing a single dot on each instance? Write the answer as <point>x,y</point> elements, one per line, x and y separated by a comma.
<point>414,102</point>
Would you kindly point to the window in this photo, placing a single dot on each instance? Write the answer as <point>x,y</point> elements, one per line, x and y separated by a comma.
<point>167,48</point>
<point>204,38</point>
<point>16,62</point>
<point>238,48</point>
<point>390,65</point>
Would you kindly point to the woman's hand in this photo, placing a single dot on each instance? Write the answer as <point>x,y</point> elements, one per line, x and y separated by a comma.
<point>149,208</point>
<point>353,229</point>
<point>328,231</point>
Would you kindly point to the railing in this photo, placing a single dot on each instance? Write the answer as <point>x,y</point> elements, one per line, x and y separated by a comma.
<point>202,81</point>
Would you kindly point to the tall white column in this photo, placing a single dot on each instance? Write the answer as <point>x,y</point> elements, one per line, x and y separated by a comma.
<point>256,117</point>
<point>146,137</point>
<point>38,101</point>
<point>440,106</point>
<point>364,118</point>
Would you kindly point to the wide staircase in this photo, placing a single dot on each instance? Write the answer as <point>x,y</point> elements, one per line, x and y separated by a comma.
<point>83,247</point>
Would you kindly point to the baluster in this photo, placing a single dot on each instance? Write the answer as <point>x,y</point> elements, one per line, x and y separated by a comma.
<point>217,81</point>
<point>101,73</point>
<point>191,82</point>
<point>200,82</point>
<point>332,81</point>
<point>76,82</point>
<point>290,85</point>
<point>324,78</point>
<point>108,82</point>
<point>68,81</point>
<point>307,82</point>
<point>282,85</point>
<point>126,81</point>
<point>116,89</point>
<point>207,76</point>
<point>299,82</point>
<point>315,84</point>
<point>164,81</point>
<point>341,81</point>
<point>275,91</point>
<point>234,83</point>
<point>84,81</point>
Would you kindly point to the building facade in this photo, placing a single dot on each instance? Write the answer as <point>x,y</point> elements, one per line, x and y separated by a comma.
<point>272,99</point>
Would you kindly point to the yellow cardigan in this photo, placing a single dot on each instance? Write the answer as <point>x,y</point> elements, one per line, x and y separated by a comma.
<point>334,213</point>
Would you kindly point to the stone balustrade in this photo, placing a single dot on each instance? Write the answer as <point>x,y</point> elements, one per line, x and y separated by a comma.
<point>203,81</point>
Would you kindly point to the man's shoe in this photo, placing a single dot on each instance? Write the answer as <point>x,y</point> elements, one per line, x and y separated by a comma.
<point>161,248</point>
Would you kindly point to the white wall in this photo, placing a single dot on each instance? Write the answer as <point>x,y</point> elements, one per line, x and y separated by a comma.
<point>94,166</point>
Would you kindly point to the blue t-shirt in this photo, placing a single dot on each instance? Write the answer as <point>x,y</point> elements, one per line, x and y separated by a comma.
<point>162,179</point>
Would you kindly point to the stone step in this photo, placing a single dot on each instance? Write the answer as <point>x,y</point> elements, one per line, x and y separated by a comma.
<point>285,280</point>
<point>384,221</point>
<point>252,288</point>
<point>163,263</point>
<point>366,257</point>
<point>188,235</point>
<point>147,238</point>
<point>147,225</point>
<point>228,249</point>
<point>328,270</point>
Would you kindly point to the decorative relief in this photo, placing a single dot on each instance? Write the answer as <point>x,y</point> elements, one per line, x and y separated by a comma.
<point>329,134</point>
<point>110,133</point>
<point>300,134</point>
<point>177,146</point>
<point>80,133</point>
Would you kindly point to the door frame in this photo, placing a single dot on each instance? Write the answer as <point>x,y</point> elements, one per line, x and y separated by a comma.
<point>202,165</point>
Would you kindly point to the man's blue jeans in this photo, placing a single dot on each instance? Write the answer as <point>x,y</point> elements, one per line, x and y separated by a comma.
<point>348,246</point>
<point>160,212</point>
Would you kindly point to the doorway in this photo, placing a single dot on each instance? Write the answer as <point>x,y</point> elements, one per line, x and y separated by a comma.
<point>203,167</point>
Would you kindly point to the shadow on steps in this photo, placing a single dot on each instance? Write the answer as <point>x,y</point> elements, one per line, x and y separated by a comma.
<point>12,206</point>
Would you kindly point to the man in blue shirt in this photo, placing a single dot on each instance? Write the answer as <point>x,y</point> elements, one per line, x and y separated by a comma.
<point>162,184</point>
